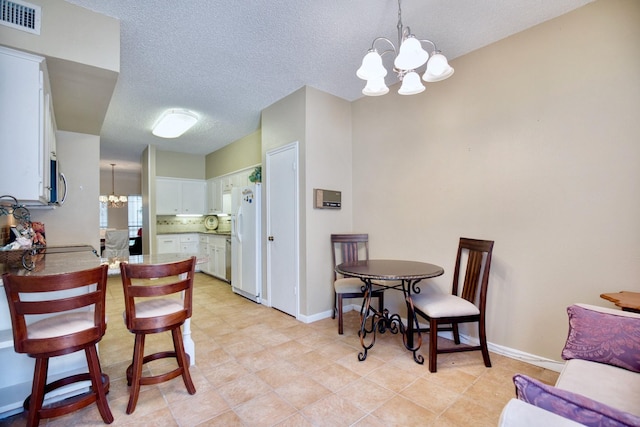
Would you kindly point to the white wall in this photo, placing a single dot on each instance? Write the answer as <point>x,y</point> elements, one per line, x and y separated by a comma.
<point>75,222</point>
<point>532,143</point>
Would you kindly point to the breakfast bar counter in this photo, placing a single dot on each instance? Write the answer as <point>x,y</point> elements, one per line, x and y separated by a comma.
<point>15,383</point>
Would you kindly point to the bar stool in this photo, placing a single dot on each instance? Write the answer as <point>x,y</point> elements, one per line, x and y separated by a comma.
<point>69,326</point>
<point>153,304</point>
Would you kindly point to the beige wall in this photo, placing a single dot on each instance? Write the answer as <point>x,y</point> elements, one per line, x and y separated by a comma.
<point>75,222</point>
<point>71,33</point>
<point>241,154</point>
<point>325,162</point>
<point>82,48</point>
<point>532,143</point>
<point>180,165</point>
<point>283,123</point>
<point>328,163</point>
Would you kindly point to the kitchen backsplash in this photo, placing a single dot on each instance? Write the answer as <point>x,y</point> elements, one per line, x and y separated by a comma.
<point>175,224</point>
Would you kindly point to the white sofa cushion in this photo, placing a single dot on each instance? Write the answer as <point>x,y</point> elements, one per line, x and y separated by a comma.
<point>522,414</point>
<point>608,384</point>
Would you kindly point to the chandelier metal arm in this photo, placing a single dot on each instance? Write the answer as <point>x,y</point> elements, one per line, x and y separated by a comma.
<point>391,50</point>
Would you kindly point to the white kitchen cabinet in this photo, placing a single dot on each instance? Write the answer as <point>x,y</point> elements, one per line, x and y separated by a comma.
<point>215,249</point>
<point>184,243</point>
<point>27,127</point>
<point>180,197</point>
<point>168,196</point>
<point>214,196</point>
<point>189,243</point>
<point>167,243</point>
<point>203,247</point>
<point>193,197</point>
<point>219,261</point>
<point>227,182</point>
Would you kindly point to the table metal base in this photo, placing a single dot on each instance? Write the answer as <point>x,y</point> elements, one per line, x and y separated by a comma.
<point>373,321</point>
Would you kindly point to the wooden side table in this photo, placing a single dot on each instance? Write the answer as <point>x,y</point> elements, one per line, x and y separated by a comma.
<point>627,301</point>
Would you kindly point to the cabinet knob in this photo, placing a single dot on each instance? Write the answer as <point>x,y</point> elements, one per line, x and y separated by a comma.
<point>270,238</point>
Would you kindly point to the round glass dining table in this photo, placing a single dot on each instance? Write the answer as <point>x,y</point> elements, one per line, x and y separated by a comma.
<point>389,274</point>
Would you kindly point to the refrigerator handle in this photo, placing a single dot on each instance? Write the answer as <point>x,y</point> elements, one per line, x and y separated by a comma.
<point>239,225</point>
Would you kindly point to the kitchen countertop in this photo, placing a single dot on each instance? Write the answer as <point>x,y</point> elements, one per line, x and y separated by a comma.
<point>58,260</point>
<point>220,233</point>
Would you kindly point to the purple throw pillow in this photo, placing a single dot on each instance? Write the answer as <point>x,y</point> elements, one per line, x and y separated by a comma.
<point>571,405</point>
<point>603,337</point>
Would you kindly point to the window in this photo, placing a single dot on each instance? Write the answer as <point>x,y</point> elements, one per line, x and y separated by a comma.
<point>134,205</point>
<point>134,215</point>
<point>104,217</point>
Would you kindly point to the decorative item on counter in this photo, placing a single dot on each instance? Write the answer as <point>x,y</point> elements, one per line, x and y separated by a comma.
<point>256,175</point>
<point>22,236</point>
<point>38,234</point>
<point>22,233</point>
<point>211,222</point>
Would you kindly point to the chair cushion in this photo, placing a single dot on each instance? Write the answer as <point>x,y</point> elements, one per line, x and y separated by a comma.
<point>60,325</point>
<point>348,285</point>
<point>605,336</point>
<point>443,305</point>
<point>570,405</point>
<point>158,307</point>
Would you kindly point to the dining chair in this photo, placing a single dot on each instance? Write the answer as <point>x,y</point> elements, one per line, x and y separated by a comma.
<point>465,304</point>
<point>116,244</point>
<point>54,315</point>
<point>158,298</point>
<point>347,248</point>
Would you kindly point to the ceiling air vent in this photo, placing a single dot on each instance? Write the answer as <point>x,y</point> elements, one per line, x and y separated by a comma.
<point>20,15</point>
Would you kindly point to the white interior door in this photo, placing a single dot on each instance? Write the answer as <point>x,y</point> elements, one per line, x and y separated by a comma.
<point>283,252</point>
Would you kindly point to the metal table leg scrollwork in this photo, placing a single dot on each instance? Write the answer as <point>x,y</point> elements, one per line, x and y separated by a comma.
<point>373,321</point>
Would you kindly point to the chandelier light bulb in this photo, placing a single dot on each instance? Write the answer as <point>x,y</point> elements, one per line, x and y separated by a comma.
<point>437,69</point>
<point>371,67</point>
<point>375,87</point>
<point>411,55</point>
<point>411,84</point>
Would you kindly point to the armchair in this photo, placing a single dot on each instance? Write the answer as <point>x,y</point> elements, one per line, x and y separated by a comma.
<point>600,382</point>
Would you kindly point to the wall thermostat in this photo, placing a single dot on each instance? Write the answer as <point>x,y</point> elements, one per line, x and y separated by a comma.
<point>328,199</point>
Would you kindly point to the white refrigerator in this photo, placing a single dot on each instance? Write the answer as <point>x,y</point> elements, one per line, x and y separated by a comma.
<point>246,241</point>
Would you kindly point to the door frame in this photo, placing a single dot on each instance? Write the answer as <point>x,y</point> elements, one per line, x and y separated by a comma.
<point>296,226</point>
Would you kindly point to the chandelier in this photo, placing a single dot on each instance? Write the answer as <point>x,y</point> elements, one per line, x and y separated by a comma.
<point>409,57</point>
<point>112,200</point>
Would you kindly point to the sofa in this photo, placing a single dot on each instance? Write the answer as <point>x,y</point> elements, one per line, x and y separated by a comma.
<point>599,384</point>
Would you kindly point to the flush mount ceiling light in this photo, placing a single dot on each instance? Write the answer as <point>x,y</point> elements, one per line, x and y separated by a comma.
<point>113,201</point>
<point>174,123</point>
<point>409,57</point>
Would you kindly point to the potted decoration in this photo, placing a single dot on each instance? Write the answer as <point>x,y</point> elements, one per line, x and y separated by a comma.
<point>256,175</point>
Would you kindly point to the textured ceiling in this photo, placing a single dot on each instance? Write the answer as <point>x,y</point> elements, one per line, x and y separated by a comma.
<point>228,60</point>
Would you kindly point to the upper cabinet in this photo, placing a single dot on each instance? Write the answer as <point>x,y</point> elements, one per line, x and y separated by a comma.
<point>214,196</point>
<point>27,127</point>
<point>219,190</point>
<point>180,196</point>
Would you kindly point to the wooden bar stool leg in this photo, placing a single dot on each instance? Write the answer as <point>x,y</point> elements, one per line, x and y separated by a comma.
<point>96,383</point>
<point>136,372</point>
<point>37,391</point>
<point>183,362</point>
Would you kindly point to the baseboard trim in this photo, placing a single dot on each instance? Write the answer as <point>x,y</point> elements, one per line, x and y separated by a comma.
<point>543,362</point>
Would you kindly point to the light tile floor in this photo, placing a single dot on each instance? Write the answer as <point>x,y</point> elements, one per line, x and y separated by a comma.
<point>256,366</point>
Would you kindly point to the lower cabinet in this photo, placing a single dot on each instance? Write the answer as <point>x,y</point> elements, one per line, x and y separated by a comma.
<point>167,243</point>
<point>215,248</point>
